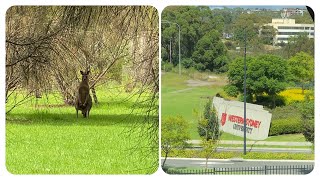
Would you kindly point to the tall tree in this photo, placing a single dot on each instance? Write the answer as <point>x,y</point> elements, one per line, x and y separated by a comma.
<point>208,124</point>
<point>265,74</point>
<point>307,116</point>
<point>209,130</point>
<point>297,44</point>
<point>267,33</point>
<point>194,21</point>
<point>301,66</point>
<point>246,28</point>
<point>210,52</point>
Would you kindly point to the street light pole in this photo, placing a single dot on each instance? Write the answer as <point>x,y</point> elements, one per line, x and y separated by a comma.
<point>165,21</point>
<point>179,51</point>
<point>170,52</point>
<point>245,96</point>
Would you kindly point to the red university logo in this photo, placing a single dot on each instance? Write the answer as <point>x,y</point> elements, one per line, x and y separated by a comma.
<point>223,118</point>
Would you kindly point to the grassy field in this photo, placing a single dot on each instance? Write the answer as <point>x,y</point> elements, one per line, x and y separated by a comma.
<point>45,137</point>
<point>180,99</point>
<point>280,138</point>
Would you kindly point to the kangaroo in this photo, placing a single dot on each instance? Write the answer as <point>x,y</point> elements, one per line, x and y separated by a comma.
<point>83,98</point>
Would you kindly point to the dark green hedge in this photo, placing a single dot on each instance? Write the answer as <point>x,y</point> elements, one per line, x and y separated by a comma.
<point>285,126</point>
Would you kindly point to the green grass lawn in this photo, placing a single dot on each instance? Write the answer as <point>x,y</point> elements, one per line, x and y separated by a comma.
<point>45,137</point>
<point>283,138</point>
<point>180,99</point>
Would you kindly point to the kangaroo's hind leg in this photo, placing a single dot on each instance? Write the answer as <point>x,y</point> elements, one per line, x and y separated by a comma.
<point>84,113</point>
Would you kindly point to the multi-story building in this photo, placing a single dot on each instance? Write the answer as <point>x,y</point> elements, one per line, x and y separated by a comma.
<point>285,28</point>
<point>292,11</point>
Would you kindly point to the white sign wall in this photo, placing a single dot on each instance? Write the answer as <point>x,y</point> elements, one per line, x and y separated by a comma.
<point>230,115</point>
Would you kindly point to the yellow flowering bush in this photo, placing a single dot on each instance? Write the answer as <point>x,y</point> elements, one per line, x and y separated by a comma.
<point>292,95</point>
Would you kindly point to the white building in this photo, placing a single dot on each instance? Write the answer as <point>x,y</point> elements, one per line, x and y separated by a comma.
<point>286,28</point>
<point>292,11</point>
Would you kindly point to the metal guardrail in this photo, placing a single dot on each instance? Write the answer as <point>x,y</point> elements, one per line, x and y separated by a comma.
<point>267,170</point>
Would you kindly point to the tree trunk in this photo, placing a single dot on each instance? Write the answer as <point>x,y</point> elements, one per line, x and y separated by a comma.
<point>302,88</point>
<point>37,93</point>
<point>95,98</point>
<point>69,99</point>
<point>274,100</point>
<point>165,158</point>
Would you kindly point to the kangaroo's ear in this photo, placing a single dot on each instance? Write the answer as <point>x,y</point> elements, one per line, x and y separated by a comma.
<point>88,72</point>
<point>81,72</point>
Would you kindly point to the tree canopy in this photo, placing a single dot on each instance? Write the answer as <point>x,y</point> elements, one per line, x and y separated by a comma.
<point>208,125</point>
<point>210,52</point>
<point>265,74</point>
<point>174,134</point>
<point>297,44</point>
<point>195,22</point>
<point>301,67</point>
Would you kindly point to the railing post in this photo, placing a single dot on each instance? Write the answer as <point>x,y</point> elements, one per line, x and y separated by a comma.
<point>265,169</point>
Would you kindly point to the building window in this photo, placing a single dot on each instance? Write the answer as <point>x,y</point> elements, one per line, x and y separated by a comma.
<point>282,39</point>
<point>290,27</point>
<point>289,33</point>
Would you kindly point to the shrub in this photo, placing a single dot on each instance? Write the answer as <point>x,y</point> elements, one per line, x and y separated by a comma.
<point>231,90</point>
<point>285,126</point>
<point>286,120</point>
<point>187,62</point>
<point>167,67</point>
<point>293,95</point>
<point>200,67</point>
<point>307,113</point>
<point>290,111</point>
<point>249,98</point>
<point>270,155</point>
<point>266,100</point>
<point>191,72</point>
<point>208,125</point>
<point>229,45</point>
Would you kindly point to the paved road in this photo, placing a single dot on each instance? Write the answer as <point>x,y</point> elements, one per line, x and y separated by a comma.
<point>232,163</point>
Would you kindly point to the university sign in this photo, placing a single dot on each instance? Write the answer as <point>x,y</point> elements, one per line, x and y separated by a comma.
<point>230,114</point>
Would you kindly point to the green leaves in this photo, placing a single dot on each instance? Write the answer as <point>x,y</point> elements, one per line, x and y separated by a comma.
<point>300,43</point>
<point>210,52</point>
<point>200,31</point>
<point>307,115</point>
<point>174,133</point>
<point>208,125</point>
<point>301,66</point>
<point>246,28</point>
<point>265,74</point>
